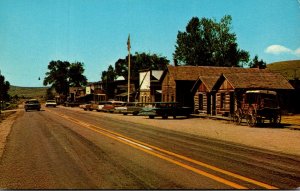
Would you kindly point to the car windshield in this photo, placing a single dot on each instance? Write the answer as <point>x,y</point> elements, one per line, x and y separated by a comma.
<point>51,101</point>
<point>32,102</point>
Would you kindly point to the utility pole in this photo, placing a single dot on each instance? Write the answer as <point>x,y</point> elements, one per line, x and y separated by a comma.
<point>128,48</point>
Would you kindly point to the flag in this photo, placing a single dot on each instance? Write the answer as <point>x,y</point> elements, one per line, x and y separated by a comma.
<point>128,43</point>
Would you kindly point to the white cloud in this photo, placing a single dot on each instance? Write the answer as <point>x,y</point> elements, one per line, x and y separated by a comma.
<point>297,52</point>
<point>279,49</point>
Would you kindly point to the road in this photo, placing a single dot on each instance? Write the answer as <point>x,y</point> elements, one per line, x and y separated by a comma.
<point>59,148</point>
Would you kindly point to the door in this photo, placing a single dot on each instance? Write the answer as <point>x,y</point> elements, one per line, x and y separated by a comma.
<point>214,104</point>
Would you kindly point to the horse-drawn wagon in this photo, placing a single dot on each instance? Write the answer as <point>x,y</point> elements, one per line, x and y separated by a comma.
<point>258,106</point>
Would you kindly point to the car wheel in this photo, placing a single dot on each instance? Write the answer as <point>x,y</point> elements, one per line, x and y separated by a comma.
<point>151,116</point>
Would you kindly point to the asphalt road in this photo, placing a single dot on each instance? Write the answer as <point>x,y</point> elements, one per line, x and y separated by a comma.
<point>59,148</point>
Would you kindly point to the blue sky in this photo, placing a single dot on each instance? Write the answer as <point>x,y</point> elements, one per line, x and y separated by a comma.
<point>95,32</point>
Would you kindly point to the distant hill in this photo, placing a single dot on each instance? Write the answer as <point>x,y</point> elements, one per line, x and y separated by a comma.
<point>289,69</point>
<point>28,92</point>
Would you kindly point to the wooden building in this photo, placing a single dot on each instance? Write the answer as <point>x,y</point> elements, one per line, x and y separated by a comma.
<point>231,86</point>
<point>192,85</point>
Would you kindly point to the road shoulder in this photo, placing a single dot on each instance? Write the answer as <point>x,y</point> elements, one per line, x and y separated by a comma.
<point>5,128</point>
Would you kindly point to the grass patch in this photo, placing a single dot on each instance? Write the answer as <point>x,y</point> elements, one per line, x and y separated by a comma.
<point>289,69</point>
<point>28,92</point>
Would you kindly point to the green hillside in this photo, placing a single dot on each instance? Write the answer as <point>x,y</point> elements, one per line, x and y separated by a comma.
<point>289,69</point>
<point>28,92</point>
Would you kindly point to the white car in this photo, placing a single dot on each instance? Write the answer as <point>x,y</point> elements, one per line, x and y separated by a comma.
<point>50,103</point>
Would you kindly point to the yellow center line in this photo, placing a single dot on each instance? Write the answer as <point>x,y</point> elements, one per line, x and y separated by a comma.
<point>147,148</point>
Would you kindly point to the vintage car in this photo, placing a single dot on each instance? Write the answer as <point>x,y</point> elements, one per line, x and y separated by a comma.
<point>86,106</point>
<point>135,107</point>
<point>98,106</point>
<point>258,106</point>
<point>114,106</point>
<point>50,103</point>
<point>32,104</point>
<point>165,109</point>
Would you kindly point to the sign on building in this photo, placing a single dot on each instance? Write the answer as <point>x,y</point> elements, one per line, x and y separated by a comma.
<point>88,90</point>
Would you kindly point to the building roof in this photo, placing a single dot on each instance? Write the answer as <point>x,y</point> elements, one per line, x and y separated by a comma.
<point>267,80</point>
<point>247,78</point>
<point>157,74</point>
<point>192,73</point>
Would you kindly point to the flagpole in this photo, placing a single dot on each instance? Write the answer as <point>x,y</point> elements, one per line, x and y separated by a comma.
<point>128,47</point>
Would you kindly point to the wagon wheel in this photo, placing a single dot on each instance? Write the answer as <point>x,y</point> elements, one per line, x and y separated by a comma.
<point>276,118</point>
<point>237,117</point>
<point>251,117</point>
<point>165,116</point>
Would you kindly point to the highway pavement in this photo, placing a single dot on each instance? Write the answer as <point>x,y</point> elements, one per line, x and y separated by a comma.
<point>59,148</point>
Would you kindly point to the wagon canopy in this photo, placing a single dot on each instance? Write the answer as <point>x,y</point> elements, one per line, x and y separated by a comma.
<point>261,92</point>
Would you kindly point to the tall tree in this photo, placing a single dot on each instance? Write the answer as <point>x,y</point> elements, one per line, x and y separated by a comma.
<point>4,87</point>
<point>76,77</point>
<point>62,75</point>
<point>108,78</point>
<point>140,61</point>
<point>255,63</point>
<point>57,76</point>
<point>208,43</point>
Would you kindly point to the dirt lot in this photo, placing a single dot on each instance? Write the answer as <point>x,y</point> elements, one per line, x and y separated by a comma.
<point>282,140</point>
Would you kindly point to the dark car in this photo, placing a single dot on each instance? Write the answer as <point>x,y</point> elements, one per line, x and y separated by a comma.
<point>32,104</point>
<point>166,109</point>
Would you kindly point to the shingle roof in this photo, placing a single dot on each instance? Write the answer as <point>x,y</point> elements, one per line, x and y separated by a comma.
<point>267,80</point>
<point>192,73</point>
<point>239,77</point>
<point>209,81</point>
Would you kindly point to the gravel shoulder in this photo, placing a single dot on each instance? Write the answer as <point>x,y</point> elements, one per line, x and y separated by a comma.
<point>5,127</point>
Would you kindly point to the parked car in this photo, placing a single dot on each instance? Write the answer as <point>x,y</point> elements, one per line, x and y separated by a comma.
<point>113,106</point>
<point>72,104</point>
<point>98,106</point>
<point>119,108</point>
<point>86,106</point>
<point>134,108</point>
<point>50,103</point>
<point>166,109</point>
<point>32,104</point>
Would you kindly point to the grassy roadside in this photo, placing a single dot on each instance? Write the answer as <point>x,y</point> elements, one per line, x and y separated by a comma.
<point>28,92</point>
